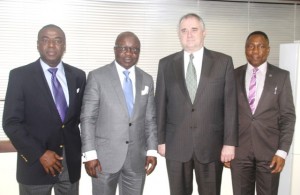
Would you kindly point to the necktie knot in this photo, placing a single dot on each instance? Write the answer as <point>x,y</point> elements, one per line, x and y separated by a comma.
<point>191,56</point>
<point>53,71</point>
<point>255,70</point>
<point>126,73</point>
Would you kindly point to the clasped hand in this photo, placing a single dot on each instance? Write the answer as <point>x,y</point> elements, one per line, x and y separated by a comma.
<point>51,162</point>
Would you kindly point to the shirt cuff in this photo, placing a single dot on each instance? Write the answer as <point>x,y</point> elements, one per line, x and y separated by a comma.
<point>89,155</point>
<point>281,153</point>
<point>152,153</point>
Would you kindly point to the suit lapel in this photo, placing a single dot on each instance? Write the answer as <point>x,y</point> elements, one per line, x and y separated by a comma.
<point>269,85</point>
<point>207,65</point>
<point>241,84</point>
<point>116,84</point>
<point>138,89</point>
<point>41,81</point>
<point>178,67</point>
<point>71,82</point>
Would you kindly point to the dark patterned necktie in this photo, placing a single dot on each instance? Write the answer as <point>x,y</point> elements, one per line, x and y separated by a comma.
<point>59,96</point>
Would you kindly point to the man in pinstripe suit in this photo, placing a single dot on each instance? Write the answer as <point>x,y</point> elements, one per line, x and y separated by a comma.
<point>200,132</point>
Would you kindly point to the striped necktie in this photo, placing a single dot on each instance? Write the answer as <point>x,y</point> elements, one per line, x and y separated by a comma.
<point>252,90</point>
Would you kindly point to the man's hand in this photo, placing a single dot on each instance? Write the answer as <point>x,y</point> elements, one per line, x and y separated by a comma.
<point>162,149</point>
<point>92,166</point>
<point>51,162</point>
<point>227,164</point>
<point>150,165</point>
<point>227,153</point>
<point>277,164</point>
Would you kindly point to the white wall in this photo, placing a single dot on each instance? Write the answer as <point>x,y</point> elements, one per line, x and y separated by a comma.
<point>289,59</point>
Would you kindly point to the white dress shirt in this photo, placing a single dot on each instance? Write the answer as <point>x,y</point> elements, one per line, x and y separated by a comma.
<point>197,61</point>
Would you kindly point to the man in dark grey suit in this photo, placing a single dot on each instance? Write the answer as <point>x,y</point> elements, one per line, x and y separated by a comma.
<point>196,112</point>
<point>46,137</point>
<point>266,120</point>
<point>119,134</point>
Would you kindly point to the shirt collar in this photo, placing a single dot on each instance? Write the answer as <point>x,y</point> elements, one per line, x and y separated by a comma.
<point>198,53</point>
<point>46,66</point>
<point>120,68</point>
<point>262,68</point>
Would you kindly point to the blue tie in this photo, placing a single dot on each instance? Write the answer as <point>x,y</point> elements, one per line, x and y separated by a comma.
<point>59,96</point>
<point>128,92</point>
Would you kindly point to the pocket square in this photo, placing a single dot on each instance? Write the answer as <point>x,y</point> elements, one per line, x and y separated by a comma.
<point>145,91</point>
<point>77,90</point>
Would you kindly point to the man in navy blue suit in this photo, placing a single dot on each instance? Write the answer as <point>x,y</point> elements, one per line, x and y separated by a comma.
<point>47,140</point>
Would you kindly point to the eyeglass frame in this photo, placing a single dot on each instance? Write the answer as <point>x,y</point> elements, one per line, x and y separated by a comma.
<point>55,41</point>
<point>122,49</point>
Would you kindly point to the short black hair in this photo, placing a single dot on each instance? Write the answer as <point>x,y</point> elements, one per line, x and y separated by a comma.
<point>258,33</point>
<point>51,26</point>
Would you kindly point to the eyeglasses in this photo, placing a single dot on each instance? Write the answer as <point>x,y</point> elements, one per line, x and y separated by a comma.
<point>121,49</point>
<point>47,41</point>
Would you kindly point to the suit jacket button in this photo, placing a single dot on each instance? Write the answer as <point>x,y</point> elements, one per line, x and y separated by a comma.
<point>63,126</point>
<point>61,146</point>
<point>193,109</point>
<point>130,124</point>
<point>127,142</point>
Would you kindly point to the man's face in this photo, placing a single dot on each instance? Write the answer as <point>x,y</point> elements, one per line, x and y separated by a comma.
<point>191,34</point>
<point>257,50</point>
<point>127,51</point>
<point>51,45</point>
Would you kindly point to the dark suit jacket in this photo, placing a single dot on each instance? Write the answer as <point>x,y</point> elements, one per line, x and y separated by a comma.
<point>32,123</point>
<point>204,127</point>
<point>271,127</point>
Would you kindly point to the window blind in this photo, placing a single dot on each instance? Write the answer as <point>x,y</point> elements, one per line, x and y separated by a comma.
<point>91,27</point>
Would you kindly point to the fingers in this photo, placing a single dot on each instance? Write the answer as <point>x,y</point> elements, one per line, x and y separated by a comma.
<point>228,153</point>
<point>277,164</point>
<point>51,163</point>
<point>92,167</point>
<point>227,164</point>
<point>151,163</point>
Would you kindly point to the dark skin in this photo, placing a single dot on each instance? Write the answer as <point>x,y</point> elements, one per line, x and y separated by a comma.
<point>257,50</point>
<point>127,55</point>
<point>51,46</point>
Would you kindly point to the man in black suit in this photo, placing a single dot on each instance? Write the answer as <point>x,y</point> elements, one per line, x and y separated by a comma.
<point>41,117</point>
<point>197,121</point>
<point>266,120</point>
